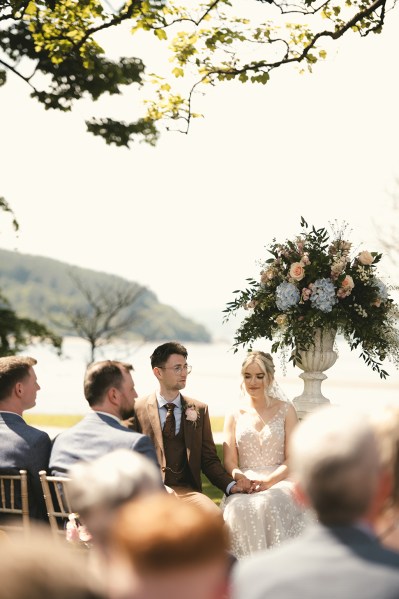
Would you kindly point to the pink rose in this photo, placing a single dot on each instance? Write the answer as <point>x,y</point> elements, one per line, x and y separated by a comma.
<point>297,271</point>
<point>191,414</point>
<point>365,258</point>
<point>346,287</point>
<point>348,283</point>
<point>306,293</point>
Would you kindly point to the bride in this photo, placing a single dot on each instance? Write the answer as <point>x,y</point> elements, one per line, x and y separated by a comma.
<point>254,449</point>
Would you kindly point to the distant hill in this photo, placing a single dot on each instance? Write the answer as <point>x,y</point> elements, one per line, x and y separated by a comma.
<point>42,289</point>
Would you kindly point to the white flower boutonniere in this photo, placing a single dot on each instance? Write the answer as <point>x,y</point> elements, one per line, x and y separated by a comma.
<point>192,414</point>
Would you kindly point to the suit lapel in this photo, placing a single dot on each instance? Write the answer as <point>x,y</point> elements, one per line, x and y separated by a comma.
<point>187,427</point>
<point>153,416</point>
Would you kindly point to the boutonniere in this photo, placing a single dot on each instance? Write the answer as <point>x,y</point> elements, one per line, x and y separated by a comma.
<point>192,414</point>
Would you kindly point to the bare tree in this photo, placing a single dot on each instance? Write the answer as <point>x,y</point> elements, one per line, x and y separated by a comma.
<point>109,311</point>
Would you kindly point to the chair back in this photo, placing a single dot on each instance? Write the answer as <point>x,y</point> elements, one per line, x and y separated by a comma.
<point>14,501</point>
<point>58,505</point>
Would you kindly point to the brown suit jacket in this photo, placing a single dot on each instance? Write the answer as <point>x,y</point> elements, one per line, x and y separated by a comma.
<point>200,446</point>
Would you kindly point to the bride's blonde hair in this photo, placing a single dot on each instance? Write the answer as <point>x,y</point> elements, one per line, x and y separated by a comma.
<point>266,364</point>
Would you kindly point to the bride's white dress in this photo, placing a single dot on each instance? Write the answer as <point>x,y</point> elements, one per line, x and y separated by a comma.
<point>262,520</point>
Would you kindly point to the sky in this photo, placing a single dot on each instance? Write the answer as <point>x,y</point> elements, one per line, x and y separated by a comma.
<point>191,217</point>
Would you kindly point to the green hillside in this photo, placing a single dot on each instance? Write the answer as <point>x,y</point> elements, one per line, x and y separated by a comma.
<point>44,289</point>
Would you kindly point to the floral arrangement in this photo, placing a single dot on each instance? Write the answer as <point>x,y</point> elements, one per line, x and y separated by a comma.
<point>313,283</point>
<point>76,532</point>
<point>192,414</point>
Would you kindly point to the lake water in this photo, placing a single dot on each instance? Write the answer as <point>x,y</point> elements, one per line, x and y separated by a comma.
<point>215,378</point>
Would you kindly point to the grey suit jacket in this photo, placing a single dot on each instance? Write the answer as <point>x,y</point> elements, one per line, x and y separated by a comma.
<point>25,447</point>
<point>94,436</point>
<point>325,562</point>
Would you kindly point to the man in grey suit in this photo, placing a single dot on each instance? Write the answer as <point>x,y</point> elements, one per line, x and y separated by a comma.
<point>335,461</point>
<point>22,446</point>
<point>110,392</point>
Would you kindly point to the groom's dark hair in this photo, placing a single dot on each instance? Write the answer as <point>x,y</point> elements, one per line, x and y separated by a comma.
<point>162,352</point>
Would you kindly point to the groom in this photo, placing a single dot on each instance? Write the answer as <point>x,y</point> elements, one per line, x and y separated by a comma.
<point>180,429</point>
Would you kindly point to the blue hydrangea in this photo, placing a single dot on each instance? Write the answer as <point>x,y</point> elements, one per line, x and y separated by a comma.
<point>323,295</point>
<point>287,295</point>
<point>382,290</point>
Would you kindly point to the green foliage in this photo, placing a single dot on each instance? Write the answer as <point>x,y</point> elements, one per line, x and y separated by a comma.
<point>5,207</point>
<point>313,283</point>
<point>121,133</point>
<point>211,42</point>
<point>215,42</point>
<point>16,333</point>
<point>67,64</point>
<point>43,289</point>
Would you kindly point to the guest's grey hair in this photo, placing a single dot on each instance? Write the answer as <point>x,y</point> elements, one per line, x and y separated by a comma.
<point>97,488</point>
<point>334,458</point>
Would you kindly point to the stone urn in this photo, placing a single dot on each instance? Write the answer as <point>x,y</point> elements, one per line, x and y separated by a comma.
<point>314,362</point>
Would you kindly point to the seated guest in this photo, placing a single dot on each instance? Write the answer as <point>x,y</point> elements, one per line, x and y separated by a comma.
<point>96,489</point>
<point>335,460</point>
<point>110,392</point>
<point>164,547</point>
<point>22,447</point>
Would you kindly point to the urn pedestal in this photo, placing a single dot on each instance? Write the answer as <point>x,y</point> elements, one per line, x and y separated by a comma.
<point>314,362</point>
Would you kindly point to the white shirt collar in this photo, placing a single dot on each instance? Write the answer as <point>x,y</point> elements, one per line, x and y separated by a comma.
<point>162,401</point>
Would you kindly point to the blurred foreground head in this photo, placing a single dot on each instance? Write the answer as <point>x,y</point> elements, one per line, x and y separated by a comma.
<point>98,488</point>
<point>39,567</point>
<point>165,547</point>
<point>386,426</point>
<point>334,458</point>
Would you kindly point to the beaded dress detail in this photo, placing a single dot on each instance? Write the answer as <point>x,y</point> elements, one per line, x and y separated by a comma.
<point>262,520</point>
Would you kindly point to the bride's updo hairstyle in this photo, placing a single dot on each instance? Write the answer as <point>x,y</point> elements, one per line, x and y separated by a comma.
<point>266,364</point>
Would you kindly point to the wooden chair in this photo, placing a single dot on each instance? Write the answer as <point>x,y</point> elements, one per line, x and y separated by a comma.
<point>55,493</point>
<point>14,501</point>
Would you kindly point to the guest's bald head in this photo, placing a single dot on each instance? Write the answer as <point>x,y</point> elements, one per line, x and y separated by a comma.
<point>334,458</point>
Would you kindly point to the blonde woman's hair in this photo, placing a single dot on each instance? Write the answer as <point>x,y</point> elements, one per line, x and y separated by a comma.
<point>265,363</point>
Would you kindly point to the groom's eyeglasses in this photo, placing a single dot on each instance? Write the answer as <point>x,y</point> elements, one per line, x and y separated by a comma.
<point>178,369</point>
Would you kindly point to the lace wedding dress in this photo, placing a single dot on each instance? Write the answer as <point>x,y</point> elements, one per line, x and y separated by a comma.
<point>262,520</point>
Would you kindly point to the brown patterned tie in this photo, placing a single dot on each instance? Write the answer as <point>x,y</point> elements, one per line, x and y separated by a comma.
<point>170,423</point>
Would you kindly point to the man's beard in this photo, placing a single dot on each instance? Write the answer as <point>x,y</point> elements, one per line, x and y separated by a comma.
<point>126,412</point>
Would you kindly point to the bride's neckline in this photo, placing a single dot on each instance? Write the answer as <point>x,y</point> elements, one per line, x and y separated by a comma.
<point>253,411</point>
